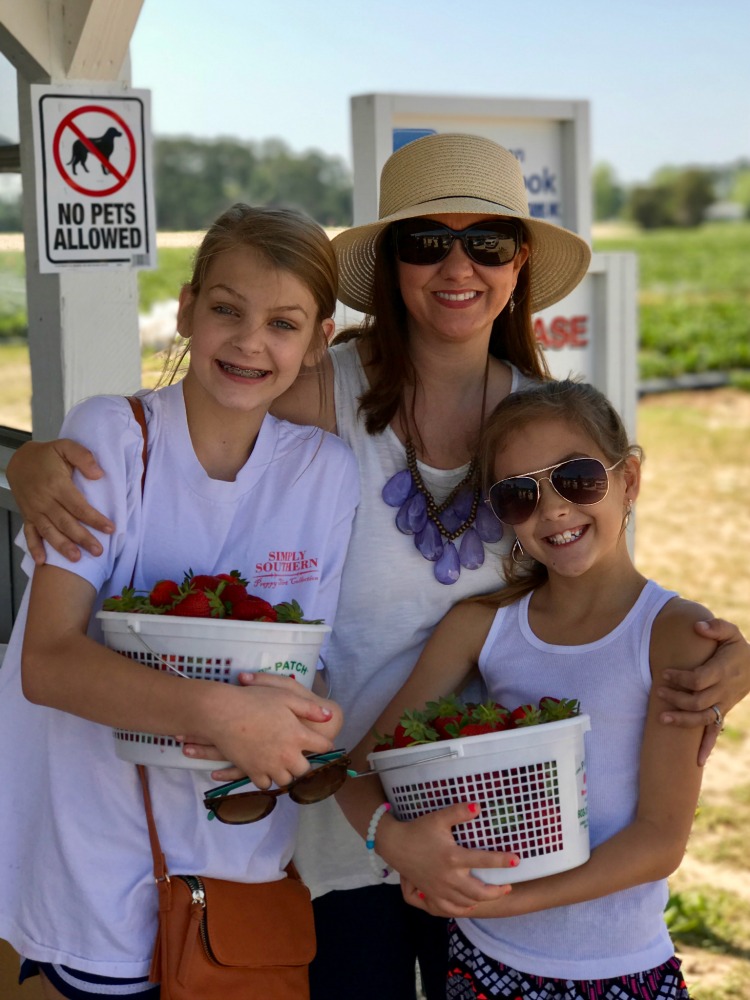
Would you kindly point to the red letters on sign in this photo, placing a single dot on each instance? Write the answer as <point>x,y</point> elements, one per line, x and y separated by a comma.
<point>562,331</point>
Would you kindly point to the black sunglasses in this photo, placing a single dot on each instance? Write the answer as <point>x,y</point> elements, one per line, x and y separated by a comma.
<point>424,241</point>
<point>248,807</point>
<point>579,480</point>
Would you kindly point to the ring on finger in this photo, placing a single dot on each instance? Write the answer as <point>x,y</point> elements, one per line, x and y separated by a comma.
<point>719,720</point>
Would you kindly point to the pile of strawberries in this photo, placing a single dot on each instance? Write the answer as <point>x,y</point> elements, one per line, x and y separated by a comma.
<point>449,718</point>
<point>200,595</point>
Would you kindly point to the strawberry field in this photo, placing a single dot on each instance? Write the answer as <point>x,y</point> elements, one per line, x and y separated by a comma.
<point>694,299</point>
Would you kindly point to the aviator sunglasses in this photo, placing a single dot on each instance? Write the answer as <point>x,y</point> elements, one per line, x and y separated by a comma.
<point>248,807</point>
<point>424,241</point>
<point>579,480</point>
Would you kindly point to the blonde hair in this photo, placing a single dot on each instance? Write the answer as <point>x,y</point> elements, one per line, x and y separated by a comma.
<point>569,402</point>
<point>287,240</point>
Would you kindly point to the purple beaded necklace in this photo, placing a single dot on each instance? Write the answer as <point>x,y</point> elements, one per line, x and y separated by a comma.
<point>436,527</point>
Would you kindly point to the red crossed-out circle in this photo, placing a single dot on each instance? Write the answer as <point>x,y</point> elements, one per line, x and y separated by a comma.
<point>68,122</point>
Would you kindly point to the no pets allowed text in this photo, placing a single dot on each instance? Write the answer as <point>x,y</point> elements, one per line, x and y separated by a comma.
<point>110,227</point>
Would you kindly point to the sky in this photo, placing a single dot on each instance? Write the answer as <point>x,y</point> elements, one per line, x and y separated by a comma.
<point>668,81</point>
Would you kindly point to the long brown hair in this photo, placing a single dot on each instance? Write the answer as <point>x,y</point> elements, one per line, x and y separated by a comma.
<point>384,332</point>
<point>288,240</point>
<point>568,402</point>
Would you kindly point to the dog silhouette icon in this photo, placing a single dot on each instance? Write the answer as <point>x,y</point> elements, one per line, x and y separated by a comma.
<point>104,143</point>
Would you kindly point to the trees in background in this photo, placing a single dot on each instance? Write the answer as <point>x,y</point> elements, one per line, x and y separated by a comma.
<point>676,196</point>
<point>609,194</point>
<point>10,215</point>
<point>195,180</point>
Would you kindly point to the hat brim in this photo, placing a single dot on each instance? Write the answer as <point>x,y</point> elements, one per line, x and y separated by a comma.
<point>558,261</point>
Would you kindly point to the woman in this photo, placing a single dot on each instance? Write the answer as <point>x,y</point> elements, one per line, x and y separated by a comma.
<point>448,335</point>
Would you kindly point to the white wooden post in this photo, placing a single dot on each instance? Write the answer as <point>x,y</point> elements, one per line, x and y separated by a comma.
<point>83,323</point>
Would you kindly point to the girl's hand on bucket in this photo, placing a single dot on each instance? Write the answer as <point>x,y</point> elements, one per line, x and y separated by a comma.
<point>435,867</point>
<point>266,731</point>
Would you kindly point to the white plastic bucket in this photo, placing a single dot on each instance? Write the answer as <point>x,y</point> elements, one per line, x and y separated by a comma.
<point>530,784</point>
<point>207,649</point>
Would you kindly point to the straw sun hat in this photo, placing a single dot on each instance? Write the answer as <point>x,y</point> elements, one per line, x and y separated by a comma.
<point>459,173</point>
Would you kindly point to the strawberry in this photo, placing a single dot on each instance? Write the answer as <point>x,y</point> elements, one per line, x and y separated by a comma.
<point>443,712</point>
<point>164,593</point>
<point>413,728</point>
<point>129,600</point>
<point>489,717</point>
<point>233,593</point>
<point>200,595</point>
<point>126,601</point>
<point>234,577</point>
<point>554,709</point>
<point>526,715</point>
<point>193,604</point>
<point>494,713</point>
<point>202,581</point>
<point>382,742</point>
<point>253,609</point>
<point>477,728</point>
<point>290,611</point>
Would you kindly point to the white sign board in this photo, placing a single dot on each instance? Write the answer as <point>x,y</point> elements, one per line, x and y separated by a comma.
<point>95,204</point>
<point>549,138</point>
<point>593,332</point>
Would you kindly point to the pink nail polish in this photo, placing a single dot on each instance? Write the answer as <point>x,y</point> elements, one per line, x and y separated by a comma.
<point>515,862</point>
<point>473,808</point>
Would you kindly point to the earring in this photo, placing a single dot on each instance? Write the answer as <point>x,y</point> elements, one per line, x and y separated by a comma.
<point>628,511</point>
<point>516,553</point>
<point>511,303</point>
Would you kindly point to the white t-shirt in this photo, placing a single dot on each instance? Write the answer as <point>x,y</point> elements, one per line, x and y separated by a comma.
<point>75,861</point>
<point>390,603</point>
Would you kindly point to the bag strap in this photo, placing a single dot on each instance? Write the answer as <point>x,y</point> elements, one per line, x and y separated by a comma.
<point>161,873</point>
<point>160,864</point>
<point>136,405</point>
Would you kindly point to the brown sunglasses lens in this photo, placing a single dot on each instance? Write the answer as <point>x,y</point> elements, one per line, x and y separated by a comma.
<point>312,787</point>
<point>318,784</point>
<point>243,808</point>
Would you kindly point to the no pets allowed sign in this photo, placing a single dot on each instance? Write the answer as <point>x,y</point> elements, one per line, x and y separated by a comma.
<point>95,202</point>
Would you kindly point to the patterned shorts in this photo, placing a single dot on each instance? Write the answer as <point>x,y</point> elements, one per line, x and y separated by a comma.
<point>472,975</point>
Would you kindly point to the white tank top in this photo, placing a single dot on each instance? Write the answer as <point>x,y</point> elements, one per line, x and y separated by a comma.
<point>624,932</point>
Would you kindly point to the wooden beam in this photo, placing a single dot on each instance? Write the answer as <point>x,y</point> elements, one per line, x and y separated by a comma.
<point>97,34</point>
<point>53,41</point>
<point>25,38</point>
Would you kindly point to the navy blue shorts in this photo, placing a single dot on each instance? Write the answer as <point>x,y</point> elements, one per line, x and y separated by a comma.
<point>76,985</point>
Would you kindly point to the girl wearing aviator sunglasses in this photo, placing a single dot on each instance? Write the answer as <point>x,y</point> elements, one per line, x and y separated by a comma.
<point>577,620</point>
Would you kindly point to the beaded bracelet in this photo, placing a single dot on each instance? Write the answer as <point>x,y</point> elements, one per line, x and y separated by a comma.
<point>381,870</point>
